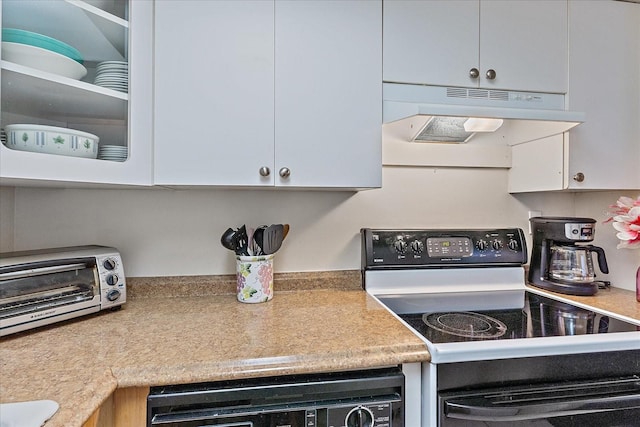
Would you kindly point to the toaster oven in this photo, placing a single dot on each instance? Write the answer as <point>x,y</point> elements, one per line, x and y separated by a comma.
<point>45,286</point>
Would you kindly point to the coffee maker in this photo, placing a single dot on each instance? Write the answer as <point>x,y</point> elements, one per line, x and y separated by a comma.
<point>558,263</point>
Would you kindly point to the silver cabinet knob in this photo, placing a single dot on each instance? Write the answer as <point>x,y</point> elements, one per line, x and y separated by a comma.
<point>285,172</point>
<point>474,73</point>
<point>579,177</point>
<point>491,74</point>
<point>265,171</point>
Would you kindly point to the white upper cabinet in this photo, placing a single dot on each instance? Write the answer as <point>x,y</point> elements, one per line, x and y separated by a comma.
<point>214,92</point>
<point>328,94</point>
<point>604,82</point>
<point>268,93</point>
<point>603,153</point>
<point>100,31</point>
<point>492,44</point>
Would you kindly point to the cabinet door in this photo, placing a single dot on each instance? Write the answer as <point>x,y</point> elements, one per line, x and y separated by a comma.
<point>604,82</point>
<point>329,93</point>
<point>440,42</point>
<point>431,42</point>
<point>214,89</point>
<point>525,43</point>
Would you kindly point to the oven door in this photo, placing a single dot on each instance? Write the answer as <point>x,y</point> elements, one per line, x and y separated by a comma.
<point>611,402</point>
<point>32,294</point>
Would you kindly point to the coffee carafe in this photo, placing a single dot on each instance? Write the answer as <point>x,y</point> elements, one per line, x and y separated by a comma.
<point>558,262</point>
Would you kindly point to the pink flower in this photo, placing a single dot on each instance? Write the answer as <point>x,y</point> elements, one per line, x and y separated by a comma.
<point>626,220</point>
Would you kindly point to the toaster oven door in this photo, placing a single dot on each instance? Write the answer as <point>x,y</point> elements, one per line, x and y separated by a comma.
<point>41,293</point>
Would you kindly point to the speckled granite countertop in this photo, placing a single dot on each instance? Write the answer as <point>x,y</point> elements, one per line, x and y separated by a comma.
<point>191,329</point>
<point>174,331</point>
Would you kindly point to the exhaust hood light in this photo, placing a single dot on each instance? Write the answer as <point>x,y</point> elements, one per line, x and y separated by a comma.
<point>444,129</point>
<point>477,124</point>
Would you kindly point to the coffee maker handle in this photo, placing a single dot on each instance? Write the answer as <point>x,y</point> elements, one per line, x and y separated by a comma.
<point>602,259</point>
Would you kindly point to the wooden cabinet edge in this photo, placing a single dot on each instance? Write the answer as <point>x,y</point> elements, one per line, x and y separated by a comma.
<point>93,419</point>
<point>125,407</point>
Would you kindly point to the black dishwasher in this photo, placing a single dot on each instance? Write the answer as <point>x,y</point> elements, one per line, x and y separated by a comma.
<point>344,399</point>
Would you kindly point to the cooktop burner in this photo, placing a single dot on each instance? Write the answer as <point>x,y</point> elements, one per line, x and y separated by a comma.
<point>466,325</point>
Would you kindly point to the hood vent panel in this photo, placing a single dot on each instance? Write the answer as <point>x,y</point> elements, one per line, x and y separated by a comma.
<point>404,100</point>
<point>527,116</point>
<point>463,93</point>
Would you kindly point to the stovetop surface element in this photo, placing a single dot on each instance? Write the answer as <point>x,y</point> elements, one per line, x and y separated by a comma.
<point>538,317</point>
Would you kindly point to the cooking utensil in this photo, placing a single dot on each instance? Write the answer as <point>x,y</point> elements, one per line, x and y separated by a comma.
<point>242,241</point>
<point>258,240</point>
<point>250,244</point>
<point>228,239</point>
<point>272,239</point>
<point>285,231</point>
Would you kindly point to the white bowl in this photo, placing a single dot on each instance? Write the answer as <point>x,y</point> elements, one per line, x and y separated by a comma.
<point>52,140</point>
<point>42,59</point>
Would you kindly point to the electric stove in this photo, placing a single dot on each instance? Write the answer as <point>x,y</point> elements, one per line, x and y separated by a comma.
<point>463,292</point>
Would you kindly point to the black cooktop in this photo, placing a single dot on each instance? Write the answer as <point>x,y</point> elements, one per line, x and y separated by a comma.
<point>539,316</point>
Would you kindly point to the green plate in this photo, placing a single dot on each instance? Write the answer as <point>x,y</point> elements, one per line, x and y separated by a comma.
<point>15,35</point>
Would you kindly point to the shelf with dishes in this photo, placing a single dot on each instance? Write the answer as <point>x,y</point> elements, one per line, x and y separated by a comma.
<point>27,91</point>
<point>65,63</point>
<point>98,35</point>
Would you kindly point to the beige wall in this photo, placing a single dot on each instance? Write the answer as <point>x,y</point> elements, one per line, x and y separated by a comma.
<point>7,205</point>
<point>623,263</point>
<point>171,232</point>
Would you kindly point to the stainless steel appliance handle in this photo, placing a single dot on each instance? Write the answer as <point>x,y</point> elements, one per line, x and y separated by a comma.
<point>545,403</point>
<point>40,271</point>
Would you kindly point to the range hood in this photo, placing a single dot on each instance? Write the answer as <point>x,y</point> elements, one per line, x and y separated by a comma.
<point>458,115</point>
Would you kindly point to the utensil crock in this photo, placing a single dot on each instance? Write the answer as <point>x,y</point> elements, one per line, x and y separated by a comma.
<point>255,278</point>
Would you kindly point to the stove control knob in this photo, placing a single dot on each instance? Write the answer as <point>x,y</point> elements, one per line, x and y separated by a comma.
<point>496,244</point>
<point>482,245</point>
<point>359,417</point>
<point>513,245</point>
<point>417,246</point>
<point>400,246</point>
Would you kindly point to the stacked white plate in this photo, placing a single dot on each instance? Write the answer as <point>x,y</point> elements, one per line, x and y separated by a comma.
<point>116,153</point>
<point>113,75</point>
<point>42,59</point>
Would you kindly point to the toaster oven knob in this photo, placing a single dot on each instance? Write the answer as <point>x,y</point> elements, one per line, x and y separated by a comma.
<point>112,279</point>
<point>109,264</point>
<point>113,294</point>
<point>359,417</point>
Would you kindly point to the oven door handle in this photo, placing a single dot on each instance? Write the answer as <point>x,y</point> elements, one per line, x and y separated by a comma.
<point>542,405</point>
<point>21,274</point>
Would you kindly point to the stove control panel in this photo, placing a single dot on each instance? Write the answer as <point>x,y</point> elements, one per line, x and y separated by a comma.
<point>435,248</point>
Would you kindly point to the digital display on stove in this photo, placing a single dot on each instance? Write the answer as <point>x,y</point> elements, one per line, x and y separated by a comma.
<point>439,247</point>
<point>539,317</point>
